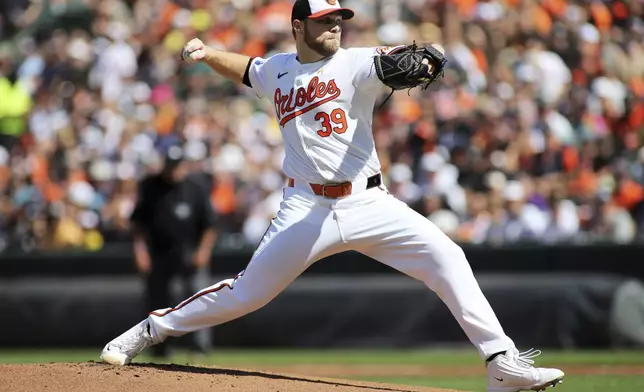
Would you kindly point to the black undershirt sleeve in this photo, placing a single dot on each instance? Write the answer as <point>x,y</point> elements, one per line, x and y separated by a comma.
<point>246,79</point>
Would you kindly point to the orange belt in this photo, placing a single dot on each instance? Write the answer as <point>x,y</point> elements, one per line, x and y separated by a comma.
<point>336,191</point>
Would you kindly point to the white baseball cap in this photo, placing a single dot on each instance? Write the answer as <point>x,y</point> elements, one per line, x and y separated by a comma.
<point>311,9</point>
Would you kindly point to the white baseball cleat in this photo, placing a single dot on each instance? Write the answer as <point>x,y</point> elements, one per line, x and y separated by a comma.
<point>513,372</point>
<point>128,345</point>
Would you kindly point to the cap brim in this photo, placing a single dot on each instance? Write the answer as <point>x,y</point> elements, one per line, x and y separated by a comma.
<point>345,12</point>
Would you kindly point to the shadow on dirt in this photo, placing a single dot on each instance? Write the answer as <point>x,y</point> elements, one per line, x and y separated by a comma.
<point>244,373</point>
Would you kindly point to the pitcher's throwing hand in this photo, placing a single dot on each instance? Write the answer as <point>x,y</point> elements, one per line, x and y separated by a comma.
<point>194,51</point>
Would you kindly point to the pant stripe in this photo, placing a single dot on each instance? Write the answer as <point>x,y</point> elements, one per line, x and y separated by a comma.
<point>194,297</point>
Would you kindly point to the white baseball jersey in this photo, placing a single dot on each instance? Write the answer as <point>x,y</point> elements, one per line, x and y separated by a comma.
<point>325,112</point>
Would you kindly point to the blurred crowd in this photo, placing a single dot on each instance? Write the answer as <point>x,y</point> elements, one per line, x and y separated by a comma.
<point>534,134</point>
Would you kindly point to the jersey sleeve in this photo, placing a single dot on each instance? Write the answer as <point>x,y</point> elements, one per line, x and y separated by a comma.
<point>255,75</point>
<point>365,78</point>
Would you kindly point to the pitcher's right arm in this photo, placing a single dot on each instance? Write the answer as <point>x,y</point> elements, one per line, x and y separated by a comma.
<point>232,66</point>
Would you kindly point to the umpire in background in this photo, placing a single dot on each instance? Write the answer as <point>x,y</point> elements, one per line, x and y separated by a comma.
<point>174,233</point>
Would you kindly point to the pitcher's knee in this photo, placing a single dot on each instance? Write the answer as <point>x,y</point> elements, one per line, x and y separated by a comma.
<point>450,263</point>
<point>252,303</point>
<point>455,259</point>
<point>248,299</point>
<point>456,253</point>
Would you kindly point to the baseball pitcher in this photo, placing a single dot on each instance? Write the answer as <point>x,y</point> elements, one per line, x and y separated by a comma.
<point>335,200</point>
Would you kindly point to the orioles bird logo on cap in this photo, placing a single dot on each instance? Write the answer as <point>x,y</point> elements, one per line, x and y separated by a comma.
<point>332,2</point>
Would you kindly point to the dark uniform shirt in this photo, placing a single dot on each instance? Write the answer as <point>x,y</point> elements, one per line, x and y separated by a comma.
<point>174,217</point>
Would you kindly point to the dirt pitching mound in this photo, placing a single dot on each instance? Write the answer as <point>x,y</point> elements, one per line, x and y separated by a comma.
<point>91,376</point>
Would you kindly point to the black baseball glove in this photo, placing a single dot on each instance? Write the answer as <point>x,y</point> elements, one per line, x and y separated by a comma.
<point>404,69</point>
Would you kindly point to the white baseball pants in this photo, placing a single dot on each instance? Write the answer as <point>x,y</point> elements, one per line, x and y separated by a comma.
<point>308,228</point>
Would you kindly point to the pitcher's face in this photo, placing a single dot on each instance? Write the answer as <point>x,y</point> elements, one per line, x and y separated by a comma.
<point>324,34</point>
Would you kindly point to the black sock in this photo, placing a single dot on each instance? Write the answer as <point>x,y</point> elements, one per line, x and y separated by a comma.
<point>491,357</point>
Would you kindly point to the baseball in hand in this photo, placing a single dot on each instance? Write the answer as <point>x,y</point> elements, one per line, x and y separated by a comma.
<point>194,51</point>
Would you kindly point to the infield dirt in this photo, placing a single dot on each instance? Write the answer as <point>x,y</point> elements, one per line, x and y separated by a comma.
<point>91,376</point>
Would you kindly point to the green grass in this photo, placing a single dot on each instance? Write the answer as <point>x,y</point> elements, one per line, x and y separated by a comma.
<point>287,357</point>
<point>448,358</point>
